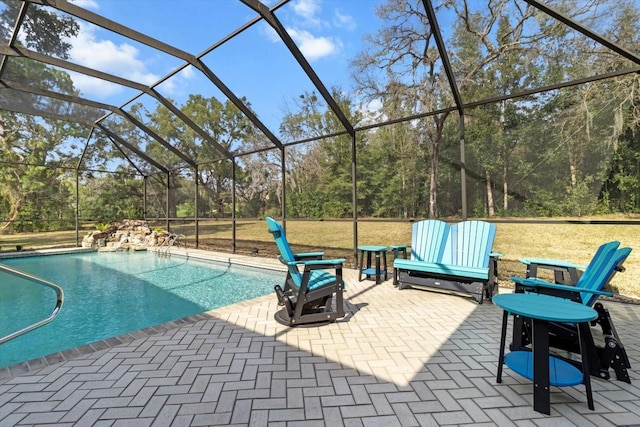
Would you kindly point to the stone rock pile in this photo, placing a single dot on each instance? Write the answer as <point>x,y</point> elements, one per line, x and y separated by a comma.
<point>128,234</point>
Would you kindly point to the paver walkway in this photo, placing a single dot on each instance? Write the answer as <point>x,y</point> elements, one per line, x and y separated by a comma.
<point>400,358</point>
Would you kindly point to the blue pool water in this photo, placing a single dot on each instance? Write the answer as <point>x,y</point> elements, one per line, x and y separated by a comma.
<point>110,294</point>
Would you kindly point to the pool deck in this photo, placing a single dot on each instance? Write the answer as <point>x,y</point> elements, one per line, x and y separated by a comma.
<point>399,358</point>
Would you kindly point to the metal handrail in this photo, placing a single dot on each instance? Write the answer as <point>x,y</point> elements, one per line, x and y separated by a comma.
<point>165,248</point>
<point>54,313</point>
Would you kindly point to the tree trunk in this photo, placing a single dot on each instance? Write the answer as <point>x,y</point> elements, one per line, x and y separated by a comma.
<point>573,170</point>
<point>490,203</point>
<point>433,181</point>
<point>505,185</point>
<point>435,154</point>
<point>13,214</point>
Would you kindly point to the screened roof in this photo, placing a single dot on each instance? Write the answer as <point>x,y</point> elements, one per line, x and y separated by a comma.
<point>130,60</point>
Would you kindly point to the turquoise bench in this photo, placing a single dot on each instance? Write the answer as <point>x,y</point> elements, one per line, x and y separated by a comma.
<point>454,258</point>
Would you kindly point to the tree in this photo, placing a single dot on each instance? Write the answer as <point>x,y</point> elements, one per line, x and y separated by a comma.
<point>402,52</point>
<point>319,174</point>
<point>28,144</point>
<point>224,123</point>
<point>498,49</point>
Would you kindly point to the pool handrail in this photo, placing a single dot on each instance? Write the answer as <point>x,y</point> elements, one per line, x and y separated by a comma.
<point>39,280</point>
<point>165,248</point>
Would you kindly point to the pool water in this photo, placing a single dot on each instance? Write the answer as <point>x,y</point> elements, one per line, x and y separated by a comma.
<point>109,294</point>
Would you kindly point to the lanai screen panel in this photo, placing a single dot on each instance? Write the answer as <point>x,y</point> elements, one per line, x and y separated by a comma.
<point>156,198</point>
<point>498,49</point>
<point>33,104</point>
<point>565,162</point>
<point>257,65</point>
<point>105,197</point>
<point>218,126</point>
<point>100,154</point>
<point>395,70</point>
<point>258,183</point>
<point>120,154</point>
<point>140,130</point>
<point>107,51</point>
<point>9,10</point>
<point>193,32</point>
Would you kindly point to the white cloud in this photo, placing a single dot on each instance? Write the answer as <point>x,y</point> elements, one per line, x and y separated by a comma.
<point>371,112</point>
<point>178,84</point>
<point>313,47</point>
<point>307,8</point>
<point>86,4</point>
<point>92,86</point>
<point>344,21</point>
<point>268,30</point>
<point>188,72</point>
<point>104,55</point>
<point>374,105</point>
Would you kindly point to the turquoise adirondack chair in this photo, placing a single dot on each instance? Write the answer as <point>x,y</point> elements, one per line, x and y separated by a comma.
<point>469,244</point>
<point>566,272</point>
<point>610,352</point>
<point>428,238</point>
<point>307,296</point>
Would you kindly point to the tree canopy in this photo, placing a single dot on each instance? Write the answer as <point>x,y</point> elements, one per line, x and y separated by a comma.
<point>571,149</point>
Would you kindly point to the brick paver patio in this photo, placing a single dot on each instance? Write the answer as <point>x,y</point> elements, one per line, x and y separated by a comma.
<point>400,358</point>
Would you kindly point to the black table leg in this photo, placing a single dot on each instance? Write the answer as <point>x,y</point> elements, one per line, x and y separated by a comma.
<point>541,392</point>
<point>503,338</point>
<point>384,258</point>
<point>583,330</point>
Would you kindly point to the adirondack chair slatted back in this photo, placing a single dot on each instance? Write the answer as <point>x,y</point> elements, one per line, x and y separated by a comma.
<point>469,244</point>
<point>596,266</point>
<point>286,255</point>
<point>601,272</point>
<point>428,239</point>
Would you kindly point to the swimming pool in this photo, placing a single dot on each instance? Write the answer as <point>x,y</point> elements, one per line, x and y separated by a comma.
<point>110,294</point>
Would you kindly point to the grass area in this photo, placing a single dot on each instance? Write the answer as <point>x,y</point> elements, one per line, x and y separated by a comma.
<point>573,242</point>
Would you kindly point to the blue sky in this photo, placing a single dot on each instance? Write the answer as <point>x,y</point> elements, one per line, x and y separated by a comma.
<point>255,64</point>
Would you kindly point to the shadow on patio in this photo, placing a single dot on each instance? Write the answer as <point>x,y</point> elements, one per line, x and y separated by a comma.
<point>400,358</point>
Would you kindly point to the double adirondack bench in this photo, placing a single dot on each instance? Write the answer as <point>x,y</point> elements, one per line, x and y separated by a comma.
<point>456,258</point>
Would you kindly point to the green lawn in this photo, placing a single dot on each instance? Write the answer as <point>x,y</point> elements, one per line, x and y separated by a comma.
<point>574,242</point>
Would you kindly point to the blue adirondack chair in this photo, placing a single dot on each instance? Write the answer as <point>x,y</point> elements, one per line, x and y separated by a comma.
<point>454,258</point>
<point>307,296</point>
<point>565,272</point>
<point>428,238</point>
<point>609,353</point>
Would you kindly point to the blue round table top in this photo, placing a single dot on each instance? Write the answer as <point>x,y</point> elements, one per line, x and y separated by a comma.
<point>373,248</point>
<point>545,307</point>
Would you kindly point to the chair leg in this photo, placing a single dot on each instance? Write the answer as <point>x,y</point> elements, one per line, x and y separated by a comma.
<point>614,353</point>
<point>284,300</point>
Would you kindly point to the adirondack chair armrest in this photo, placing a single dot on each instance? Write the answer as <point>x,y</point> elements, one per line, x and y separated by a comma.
<point>495,254</point>
<point>316,264</point>
<point>308,256</point>
<point>533,284</point>
<point>552,263</point>
<point>323,263</point>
